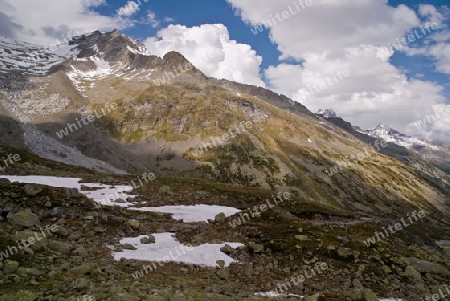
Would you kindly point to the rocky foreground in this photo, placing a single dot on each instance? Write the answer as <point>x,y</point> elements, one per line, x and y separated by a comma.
<point>298,248</point>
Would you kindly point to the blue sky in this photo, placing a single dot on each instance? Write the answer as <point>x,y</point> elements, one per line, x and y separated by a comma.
<point>300,56</point>
<point>196,13</point>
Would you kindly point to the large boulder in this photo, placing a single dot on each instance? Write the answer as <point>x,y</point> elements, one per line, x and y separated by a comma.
<point>413,274</point>
<point>10,266</point>
<point>220,218</point>
<point>24,218</point>
<point>256,248</point>
<point>133,223</point>
<point>33,189</point>
<point>424,266</point>
<point>4,182</point>
<point>59,246</point>
<point>148,240</point>
<point>62,232</point>
<point>35,240</point>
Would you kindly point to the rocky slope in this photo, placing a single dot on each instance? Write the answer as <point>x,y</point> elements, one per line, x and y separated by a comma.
<point>74,262</point>
<point>429,159</point>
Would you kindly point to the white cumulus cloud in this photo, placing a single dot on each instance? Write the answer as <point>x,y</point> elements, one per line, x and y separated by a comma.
<point>46,21</point>
<point>210,49</point>
<point>330,36</point>
<point>128,9</point>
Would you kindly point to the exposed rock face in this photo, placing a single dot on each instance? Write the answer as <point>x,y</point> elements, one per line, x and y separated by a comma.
<point>327,113</point>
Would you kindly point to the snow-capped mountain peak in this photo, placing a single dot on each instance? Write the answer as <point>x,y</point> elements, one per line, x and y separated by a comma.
<point>386,132</point>
<point>31,59</point>
<point>327,113</point>
<point>389,134</point>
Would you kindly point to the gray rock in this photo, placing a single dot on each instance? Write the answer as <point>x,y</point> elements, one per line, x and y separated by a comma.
<point>368,295</point>
<point>81,270</point>
<point>58,211</point>
<point>357,284</point>
<point>36,240</point>
<point>10,266</point>
<point>62,232</point>
<point>33,189</point>
<point>313,297</point>
<point>256,248</point>
<point>220,218</point>
<point>82,252</point>
<point>72,192</point>
<point>221,263</point>
<point>129,247</point>
<point>26,296</point>
<point>133,223</point>
<point>75,235</point>
<point>148,240</point>
<point>21,271</point>
<point>301,237</point>
<point>227,249</point>
<point>223,274</point>
<point>24,218</point>
<point>4,182</point>
<point>413,274</point>
<point>59,246</point>
<point>423,266</point>
<point>165,190</point>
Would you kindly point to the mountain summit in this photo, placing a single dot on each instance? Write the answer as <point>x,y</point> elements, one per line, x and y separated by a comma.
<point>327,113</point>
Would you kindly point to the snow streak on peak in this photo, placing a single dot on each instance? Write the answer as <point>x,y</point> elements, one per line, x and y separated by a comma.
<point>327,113</point>
<point>31,59</point>
<point>390,135</point>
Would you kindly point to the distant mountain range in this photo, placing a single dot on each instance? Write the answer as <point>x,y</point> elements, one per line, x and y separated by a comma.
<point>416,152</point>
<point>389,134</point>
<point>154,113</point>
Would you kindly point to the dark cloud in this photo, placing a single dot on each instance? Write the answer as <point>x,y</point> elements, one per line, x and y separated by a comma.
<point>8,27</point>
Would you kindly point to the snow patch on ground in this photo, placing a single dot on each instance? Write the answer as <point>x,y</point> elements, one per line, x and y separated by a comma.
<point>104,195</point>
<point>275,294</point>
<point>167,246</point>
<point>192,214</point>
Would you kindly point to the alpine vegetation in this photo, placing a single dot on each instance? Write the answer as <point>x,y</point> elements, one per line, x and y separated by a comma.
<point>244,217</point>
<point>394,228</point>
<point>218,141</point>
<point>86,120</point>
<point>355,158</point>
